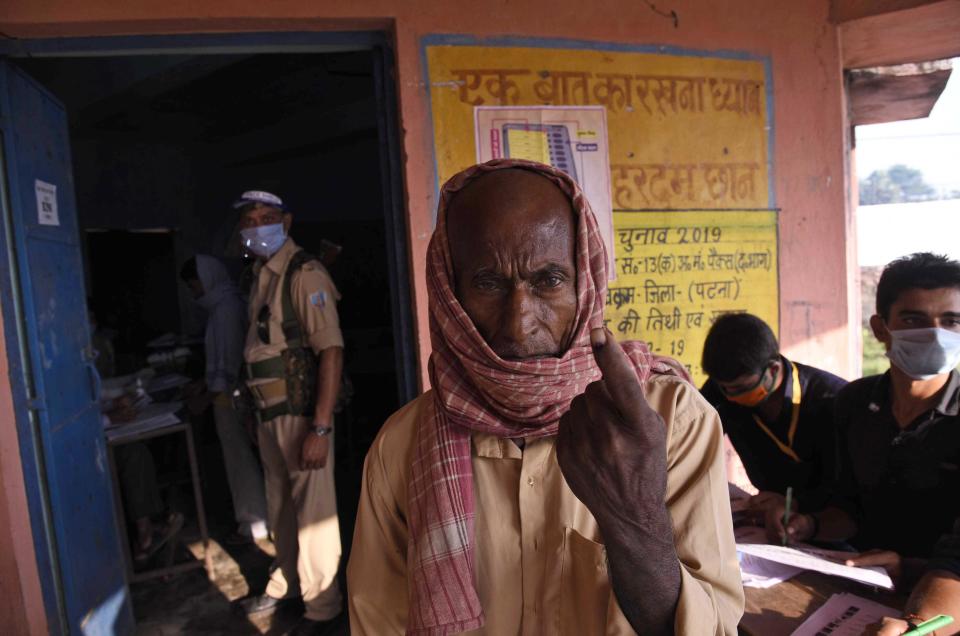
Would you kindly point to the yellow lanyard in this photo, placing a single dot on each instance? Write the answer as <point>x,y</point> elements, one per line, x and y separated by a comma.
<point>787,449</point>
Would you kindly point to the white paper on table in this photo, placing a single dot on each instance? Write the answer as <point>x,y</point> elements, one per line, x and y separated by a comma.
<point>152,416</point>
<point>761,573</point>
<point>799,559</point>
<point>844,615</point>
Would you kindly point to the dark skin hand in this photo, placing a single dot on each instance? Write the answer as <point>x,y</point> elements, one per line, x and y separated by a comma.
<point>612,450</point>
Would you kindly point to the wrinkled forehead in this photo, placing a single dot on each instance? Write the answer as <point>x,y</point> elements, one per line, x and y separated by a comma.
<point>507,202</point>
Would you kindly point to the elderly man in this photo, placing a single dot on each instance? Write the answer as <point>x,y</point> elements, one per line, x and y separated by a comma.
<point>552,481</point>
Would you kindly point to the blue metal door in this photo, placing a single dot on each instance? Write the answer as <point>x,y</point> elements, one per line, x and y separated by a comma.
<point>61,435</point>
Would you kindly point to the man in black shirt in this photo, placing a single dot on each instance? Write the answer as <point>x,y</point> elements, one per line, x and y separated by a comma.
<point>898,478</point>
<point>777,413</point>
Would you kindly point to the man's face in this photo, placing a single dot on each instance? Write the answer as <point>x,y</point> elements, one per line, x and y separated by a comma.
<point>742,384</point>
<point>264,215</point>
<point>512,240</point>
<point>749,381</point>
<point>920,308</point>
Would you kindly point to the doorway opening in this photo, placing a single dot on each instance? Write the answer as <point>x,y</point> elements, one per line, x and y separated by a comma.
<point>162,144</point>
<point>908,125</point>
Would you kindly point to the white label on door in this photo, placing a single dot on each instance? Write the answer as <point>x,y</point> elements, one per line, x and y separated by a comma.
<point>46,203</point>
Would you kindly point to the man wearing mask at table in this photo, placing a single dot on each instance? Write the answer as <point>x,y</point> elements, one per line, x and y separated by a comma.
<point>899,433</point>
<point>294,355</point>
<point>777,412</point>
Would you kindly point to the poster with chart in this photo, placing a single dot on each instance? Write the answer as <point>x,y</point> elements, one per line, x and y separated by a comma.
<point>570,138</point>
<point>689,139</point>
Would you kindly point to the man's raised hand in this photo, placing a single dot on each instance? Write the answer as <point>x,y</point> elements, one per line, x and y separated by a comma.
<point>611,445</point>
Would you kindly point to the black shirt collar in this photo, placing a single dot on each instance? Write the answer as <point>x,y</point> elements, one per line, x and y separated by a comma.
<point>949,403</point>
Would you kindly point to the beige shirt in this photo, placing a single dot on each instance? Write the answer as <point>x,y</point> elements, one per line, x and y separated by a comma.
<point>314,299</point>
<point>540,560</point>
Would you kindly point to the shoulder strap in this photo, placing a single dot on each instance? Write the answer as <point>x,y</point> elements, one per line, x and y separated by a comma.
<point>292,331</point>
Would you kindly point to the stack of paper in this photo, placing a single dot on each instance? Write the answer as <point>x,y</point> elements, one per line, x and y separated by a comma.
<point>814,561</point>
<point>151,417</point>
<point>844,615</point>
<point>761,573</point>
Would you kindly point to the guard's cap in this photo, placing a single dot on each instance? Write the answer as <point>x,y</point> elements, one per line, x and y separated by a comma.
<point>259,196</point>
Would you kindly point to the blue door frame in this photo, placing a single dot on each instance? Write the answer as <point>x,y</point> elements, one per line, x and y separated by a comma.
<point>19,340</point>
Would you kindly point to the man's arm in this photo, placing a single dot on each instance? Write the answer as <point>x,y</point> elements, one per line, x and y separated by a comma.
<point>644,569</point>
<point>316,449</point>
<point>938,592</point>
<point>316,305</point>
<point>377,572</point>
<point>612,448</point>
<point>328,385</point>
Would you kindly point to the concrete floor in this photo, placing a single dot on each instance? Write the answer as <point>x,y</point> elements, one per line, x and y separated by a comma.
<point>192,604</point>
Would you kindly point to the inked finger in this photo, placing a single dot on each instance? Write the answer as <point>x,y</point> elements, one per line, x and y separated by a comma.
<point>619,375</point>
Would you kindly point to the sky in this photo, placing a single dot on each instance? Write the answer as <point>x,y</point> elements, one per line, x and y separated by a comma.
<point>931,145</point>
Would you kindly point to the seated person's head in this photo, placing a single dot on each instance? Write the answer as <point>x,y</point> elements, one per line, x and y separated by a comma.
<point>918,314</point>
<point>512,241</point>
<point>742,357</point>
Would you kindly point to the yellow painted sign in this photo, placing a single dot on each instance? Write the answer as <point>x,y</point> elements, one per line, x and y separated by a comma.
<point>677,271</point>
<point>687,134</point>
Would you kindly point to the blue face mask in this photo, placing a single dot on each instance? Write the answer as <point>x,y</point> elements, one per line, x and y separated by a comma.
<point>265,240</point>
<point>924,353</point>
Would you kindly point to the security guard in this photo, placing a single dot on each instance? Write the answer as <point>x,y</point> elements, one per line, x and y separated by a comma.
<point>294,356</point>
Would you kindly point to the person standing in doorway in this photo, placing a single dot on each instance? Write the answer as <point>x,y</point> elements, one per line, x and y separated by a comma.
<point>213,289</point>
<point>294,355</point>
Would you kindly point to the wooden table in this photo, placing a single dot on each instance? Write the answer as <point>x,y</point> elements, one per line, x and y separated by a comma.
<point>138,432</point>
<point>778,610</point>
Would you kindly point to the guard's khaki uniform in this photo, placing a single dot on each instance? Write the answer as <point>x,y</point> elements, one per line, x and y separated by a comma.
<point>301,505</point>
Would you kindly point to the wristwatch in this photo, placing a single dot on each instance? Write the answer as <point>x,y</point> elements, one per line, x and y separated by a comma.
<point>322,431</point>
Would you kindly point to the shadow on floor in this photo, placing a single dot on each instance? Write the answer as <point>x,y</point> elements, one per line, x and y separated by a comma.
<point>191,604</point>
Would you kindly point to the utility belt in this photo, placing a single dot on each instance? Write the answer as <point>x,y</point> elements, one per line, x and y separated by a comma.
<point>294,374</point>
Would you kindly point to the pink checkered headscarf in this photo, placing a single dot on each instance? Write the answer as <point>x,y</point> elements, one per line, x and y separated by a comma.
<point>474,390</point>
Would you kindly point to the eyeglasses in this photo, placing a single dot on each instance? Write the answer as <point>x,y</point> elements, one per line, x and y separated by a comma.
<point>740,390</point>
<point>263,324</point>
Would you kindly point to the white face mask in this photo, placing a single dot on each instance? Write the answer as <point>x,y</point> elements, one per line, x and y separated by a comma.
<point>264,240</point>
<point>924,353</point>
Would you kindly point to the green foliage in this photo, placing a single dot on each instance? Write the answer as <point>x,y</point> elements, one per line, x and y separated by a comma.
<point>874,359</point>
<point>896,184</point>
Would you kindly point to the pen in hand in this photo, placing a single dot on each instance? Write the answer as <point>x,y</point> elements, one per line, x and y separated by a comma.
<point>927,627</point>
<point>786,513</point>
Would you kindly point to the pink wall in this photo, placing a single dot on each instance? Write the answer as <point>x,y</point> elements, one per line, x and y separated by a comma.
<point>809,159</point>
<point>21,610</point>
